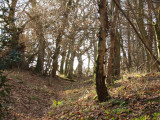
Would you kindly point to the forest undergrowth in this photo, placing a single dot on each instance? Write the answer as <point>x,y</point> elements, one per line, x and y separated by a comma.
<point>35,97</point>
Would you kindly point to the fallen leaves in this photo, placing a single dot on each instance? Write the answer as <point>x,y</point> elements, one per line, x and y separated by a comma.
<point>135,98</point>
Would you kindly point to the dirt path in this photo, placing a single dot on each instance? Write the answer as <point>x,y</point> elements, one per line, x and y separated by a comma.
<point>32,95</point>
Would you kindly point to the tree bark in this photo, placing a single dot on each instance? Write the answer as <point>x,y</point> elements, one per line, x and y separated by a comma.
<point>151,34</point>
<point>116,67</point>
<point>62,62</point>
<point>12,26</point>
<point>41,40</point>
<point>71,64</point>
<point>41,49</point>
<point>95,51</point>
<point>129,46</point>
<point>157,33</point>
<point>67,62</point>
<point>114,58</point>
<point>101,88</point>
<point>56,54</point>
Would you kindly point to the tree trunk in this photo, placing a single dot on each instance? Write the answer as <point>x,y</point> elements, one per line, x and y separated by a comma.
<point>80,64</point>
<point>67,62</point>
<point>59,38</point>
<point>125,58</point>
<point>71,64</point>
<point>129,45</point>
<point>41,40</point>
<point>41,48</point>
<point>88,68</point>
<point>101,88</point>
<point>56,54</point>
<point>157,33</point>
<point>116,67</point>
<point>12,26</point>
<point>62,62</point>
<point>95,51</point>
<point>114,58</point>
<point>144,32</point>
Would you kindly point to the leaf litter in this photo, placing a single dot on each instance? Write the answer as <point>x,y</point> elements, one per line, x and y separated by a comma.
<point>42,98</point>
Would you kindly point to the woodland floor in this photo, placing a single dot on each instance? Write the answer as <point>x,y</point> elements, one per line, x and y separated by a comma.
<point>34,97</point>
